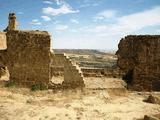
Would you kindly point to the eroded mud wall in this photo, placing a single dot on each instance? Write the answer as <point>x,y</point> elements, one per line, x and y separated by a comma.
<point>73,76</point>
<point>139,57</point>
<point>3,44</point>
<point>29,57</point>
<point>3,47</point>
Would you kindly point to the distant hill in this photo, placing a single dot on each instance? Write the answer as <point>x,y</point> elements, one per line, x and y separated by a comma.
<point>78,51</point>
<point>90,58</point>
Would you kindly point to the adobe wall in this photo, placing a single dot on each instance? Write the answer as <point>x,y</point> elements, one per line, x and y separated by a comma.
<point>139,57</point>
<point>102,72</point>
<point>29,57</point>
<point>73,76</point>
<point>72,73</point>
<point>3,45</point>
<point>30,60</point>
<point>90,72</point>
<point>3,48</point>
<point>57,65</point>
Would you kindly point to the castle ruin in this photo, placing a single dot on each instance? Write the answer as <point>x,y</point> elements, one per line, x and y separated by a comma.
<point>28,56</point>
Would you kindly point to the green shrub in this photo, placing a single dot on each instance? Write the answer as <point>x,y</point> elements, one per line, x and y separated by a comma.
<point>39,86</point>
<point>10,84</point>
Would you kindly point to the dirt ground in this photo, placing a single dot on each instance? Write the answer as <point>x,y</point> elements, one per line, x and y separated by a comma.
<point>96,82</point>
<point>84,104</point>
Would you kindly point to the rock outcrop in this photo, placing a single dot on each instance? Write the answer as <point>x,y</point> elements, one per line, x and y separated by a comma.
<point>139,58</point>
<point>153,99</point>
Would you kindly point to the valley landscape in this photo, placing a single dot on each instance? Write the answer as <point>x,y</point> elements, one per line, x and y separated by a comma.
<point>80,60</point>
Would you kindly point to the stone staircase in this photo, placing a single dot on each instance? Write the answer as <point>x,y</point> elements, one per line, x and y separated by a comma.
<point>73,76</point>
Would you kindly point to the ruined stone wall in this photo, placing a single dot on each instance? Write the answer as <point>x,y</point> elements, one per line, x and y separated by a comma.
<point>90,72</point>
<point>139,57</point>
<point>28,54</point>
<point>29,59</point>
<point>3,48</point>
<point>3,44</point>
<point>57,65</point>
<point>57,71</point>
<point>101,72</point>
<point>73,76</point>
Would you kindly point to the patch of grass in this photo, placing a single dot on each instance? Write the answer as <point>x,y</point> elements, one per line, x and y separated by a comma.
<point>39,86</point>
<point>10,84</point>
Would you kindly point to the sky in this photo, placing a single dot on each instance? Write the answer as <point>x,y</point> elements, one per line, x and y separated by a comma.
<point>85,24</point>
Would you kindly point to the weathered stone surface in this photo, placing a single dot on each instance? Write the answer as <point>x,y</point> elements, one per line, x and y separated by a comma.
<point>12,23</point>
<point>3,48</point>
<point>90,72</point>
<point>28,55</point>
<point>73,76</point>
<point>3,44</point>
<point>28,58</point>
<point>147,117</point>
<point>102,72</point>
<point>139,57</point>
<point>153,99</point>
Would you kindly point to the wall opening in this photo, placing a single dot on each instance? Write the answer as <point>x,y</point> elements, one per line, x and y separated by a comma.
<point>128,77</point>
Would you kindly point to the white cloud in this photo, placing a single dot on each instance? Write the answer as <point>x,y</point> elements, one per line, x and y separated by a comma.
<point>46,18</point>
<point>59,2</point>
<point>139,20</point>
<point>35,22</point>
<point>74,21</point>
<point>107,14</point>
<point>73,30</point>
<point>61,27</point>
<point>20,13</point>
<point>97,29</point>
<point>90,4</point>
<point>130,23</point>
<point>48,2</point>
<point>64,9</point>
